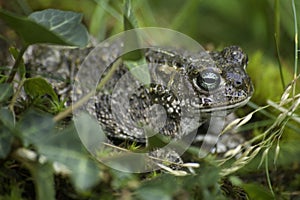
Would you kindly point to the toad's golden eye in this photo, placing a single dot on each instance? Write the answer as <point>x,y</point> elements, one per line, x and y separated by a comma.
<point>208,80</point>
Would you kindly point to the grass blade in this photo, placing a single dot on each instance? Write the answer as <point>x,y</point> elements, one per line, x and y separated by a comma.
<point>296,45</point>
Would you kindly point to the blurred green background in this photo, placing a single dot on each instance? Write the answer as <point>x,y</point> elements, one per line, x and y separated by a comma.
<point>248,23</point>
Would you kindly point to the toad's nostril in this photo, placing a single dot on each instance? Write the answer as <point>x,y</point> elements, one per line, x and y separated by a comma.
<point>238,83</point>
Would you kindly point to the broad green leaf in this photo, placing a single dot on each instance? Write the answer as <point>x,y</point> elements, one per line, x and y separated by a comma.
<point>89,132</point>
<point>65,24</point>
<point>7,118</point>
<point>66,148</point>
<point>6,137</point>
<point>48,26</point>
<point>63,147</point>
<point>37,87</point>
<point>257,192</point>
<point>35,127</point>
<point>121,179</point>
<point>162,187</point>
<point>30,31</point>
<point>153,193</point>
<point>6,91</point>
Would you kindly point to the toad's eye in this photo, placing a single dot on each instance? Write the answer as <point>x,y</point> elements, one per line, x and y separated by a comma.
<point>208,80</point>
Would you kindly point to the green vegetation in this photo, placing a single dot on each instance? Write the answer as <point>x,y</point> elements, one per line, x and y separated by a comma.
<point>41,156</point>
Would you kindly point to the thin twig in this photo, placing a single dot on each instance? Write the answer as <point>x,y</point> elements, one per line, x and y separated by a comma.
<point>18,91</point>
<point>84,99</point>
<point>193,165</point>
<point>277,39</point>
<point>16,65</point>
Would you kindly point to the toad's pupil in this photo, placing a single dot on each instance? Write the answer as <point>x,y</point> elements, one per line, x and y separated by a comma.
<point>208,80</point>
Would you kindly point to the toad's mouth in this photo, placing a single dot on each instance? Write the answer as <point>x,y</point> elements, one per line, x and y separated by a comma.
<point>225,107</point>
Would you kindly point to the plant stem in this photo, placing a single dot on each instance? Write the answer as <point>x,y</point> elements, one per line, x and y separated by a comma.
<point>268,175</point>
<point>277,39</point>
<point>16,65</point>
<point>296,46</point>
<point>14,98</point>
<point>84,99</point>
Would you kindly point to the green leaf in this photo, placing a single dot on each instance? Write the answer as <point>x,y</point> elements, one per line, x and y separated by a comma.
<point>134,60</point>
<point>37,87</point>
<point>15,52</point>
<point>162,187</point>
<point>131,41</point>
<point>97,26</point>
<point>122,179</point>
<point>89,131</point>
<point>202,185</point>
<point>6,137</point>
<point>155,141</point>
<point>6,91</point>
<point>63,147</point>
<point>153,193</point>
<point>7,118</point>
<point>139,69</point>
<point>48,26</point>
<point>130,21</point>
<point>65,24</point>
<point>43,176</point>
<point>257,192</point>
<point>35,127</point>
